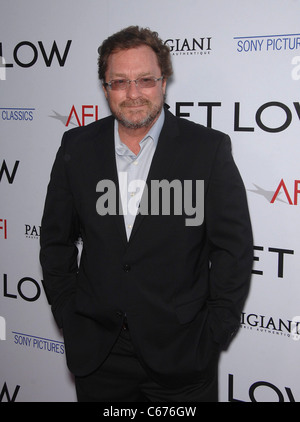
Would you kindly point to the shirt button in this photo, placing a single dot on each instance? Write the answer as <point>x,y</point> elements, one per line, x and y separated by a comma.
<point>126,268</point>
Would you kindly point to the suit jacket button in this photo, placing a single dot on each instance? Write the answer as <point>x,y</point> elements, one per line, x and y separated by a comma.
<point>126,268</point>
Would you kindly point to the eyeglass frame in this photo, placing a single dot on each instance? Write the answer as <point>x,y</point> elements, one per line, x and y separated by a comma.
<point>128,82</point>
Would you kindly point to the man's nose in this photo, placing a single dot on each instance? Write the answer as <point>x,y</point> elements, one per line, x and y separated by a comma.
<point>133,90</point>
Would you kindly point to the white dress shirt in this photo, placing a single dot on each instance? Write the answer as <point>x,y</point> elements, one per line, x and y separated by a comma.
<point>133,170</point>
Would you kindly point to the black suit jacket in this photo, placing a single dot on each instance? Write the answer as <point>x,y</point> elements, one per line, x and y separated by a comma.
<point>181,287</point>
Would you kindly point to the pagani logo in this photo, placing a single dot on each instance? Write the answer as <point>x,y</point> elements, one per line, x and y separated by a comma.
<point>32,231</point>
<point>271,325</point>
<point>190,46</point>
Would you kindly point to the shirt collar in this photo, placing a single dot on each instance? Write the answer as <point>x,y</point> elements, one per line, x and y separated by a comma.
<point>154,132</point>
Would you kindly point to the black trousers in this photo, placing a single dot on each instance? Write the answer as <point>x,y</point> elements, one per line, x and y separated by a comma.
<point>121,378</point>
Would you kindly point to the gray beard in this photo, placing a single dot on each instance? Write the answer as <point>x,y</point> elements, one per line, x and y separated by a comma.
<point>146,122</point>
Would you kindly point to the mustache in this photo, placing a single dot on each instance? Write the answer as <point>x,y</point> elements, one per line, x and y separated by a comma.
<point>137,102</point>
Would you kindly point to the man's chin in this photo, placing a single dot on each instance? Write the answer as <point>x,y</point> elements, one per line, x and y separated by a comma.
<point>137,123</point>
<point>138,120</point>
<point>132,124</point>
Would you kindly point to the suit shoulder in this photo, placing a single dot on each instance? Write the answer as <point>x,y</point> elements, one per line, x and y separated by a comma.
<point>199,136</point>
<point>199,130</point>
<point>85,134</point>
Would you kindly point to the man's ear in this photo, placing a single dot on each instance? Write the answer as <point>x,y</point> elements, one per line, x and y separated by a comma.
<point>164,86</point>
<point>105,91</point>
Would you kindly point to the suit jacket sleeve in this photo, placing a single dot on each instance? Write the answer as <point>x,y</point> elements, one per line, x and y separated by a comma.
<point>231,246</point>
<point>59,232</point>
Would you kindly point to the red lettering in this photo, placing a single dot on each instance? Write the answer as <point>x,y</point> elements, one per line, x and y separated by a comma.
<point>282,185</point>
<point>84,114</point>
<point>73,110</point>
<point>4,227</point>
<point>296,191</point>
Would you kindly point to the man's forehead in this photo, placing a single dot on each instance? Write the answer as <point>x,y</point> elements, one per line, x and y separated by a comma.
<point>142,59</point>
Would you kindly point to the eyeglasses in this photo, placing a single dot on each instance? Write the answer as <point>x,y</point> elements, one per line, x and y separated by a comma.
<point>121,84</point>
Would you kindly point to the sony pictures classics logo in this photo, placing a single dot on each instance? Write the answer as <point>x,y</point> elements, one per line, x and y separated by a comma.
<point>267,43</point>
<point>13,114</point>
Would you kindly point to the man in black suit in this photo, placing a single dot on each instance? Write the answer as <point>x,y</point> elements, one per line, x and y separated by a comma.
<point>167,243</point>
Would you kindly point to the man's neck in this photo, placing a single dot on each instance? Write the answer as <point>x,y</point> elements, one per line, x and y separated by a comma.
<point>132,137</point>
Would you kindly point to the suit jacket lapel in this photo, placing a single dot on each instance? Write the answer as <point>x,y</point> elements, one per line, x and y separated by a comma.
<point>167,151</point>
<point>105,151</point>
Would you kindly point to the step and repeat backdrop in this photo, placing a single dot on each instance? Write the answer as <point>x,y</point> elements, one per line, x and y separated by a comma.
<point>236,69</point>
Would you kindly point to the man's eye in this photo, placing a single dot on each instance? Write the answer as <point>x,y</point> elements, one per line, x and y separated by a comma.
<point>120,82</point>
<point>146,81</point>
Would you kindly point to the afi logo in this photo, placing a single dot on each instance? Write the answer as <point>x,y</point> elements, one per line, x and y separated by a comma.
<point>293,197</point>
<point>80,115</point>
<point>84,113</point>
